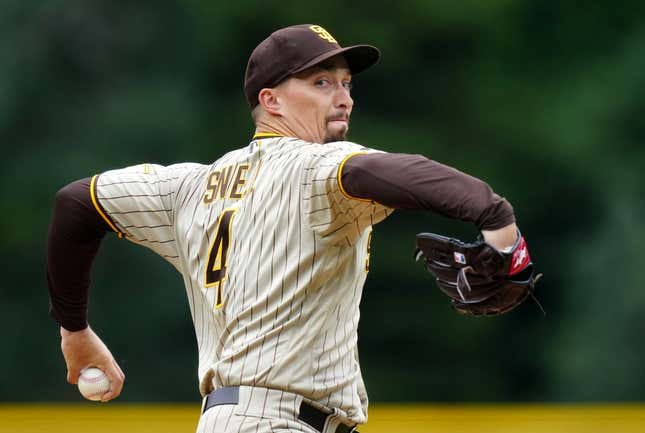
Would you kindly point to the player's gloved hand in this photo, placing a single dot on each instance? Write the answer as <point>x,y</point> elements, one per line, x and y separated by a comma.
<point>478,278</point>
<point>83,349</point>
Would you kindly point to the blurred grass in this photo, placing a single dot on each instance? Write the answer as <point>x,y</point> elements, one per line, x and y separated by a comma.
<point>412,418</point>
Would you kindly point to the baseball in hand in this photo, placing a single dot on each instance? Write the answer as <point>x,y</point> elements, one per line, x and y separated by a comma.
<point>93,383</point>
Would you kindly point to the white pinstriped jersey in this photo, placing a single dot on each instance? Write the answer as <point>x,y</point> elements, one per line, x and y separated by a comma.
<point>274,255</point>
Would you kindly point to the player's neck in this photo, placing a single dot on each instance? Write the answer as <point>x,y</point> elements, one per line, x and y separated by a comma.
<point>277,126</point>
<point>272,126</point>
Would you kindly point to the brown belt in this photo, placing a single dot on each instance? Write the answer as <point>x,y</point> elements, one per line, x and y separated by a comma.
<point>307,413</point>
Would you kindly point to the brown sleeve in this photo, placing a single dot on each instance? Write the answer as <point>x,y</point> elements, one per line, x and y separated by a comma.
<point>75,235</point>
<point>407,181</point>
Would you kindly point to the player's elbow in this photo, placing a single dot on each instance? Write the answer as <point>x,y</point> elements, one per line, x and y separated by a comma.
<point>72,194</point>
<point>64,195</point>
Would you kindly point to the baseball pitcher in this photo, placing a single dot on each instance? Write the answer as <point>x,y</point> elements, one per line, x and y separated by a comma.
<point>272,242</point>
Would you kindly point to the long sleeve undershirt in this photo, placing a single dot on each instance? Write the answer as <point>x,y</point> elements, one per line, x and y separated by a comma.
<point>75,235</point>
<point>405,181</point>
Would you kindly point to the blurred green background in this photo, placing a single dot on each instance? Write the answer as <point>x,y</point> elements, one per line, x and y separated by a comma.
<point>542,99</point>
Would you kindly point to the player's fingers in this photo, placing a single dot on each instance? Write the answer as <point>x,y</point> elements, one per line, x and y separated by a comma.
<point>72,375</point>
<point>120,374</point>
<point>118,369</point>
<point>116,376</point>
<point>113,392</point>
<point>72,371</point>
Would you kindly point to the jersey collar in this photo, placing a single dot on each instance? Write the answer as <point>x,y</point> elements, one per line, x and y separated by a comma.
<point>259,135</point>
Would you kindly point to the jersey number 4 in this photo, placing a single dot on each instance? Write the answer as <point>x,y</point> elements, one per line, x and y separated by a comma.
<point>218,254</point>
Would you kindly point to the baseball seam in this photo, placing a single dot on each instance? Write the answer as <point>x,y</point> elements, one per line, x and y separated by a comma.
<point>92,379</point>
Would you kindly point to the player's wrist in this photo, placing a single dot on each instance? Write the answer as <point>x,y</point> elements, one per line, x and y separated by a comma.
<point>65,331</point>
<point>504,239</point>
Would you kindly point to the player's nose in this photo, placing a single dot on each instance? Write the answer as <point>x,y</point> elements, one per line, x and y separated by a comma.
<point>343,98</point>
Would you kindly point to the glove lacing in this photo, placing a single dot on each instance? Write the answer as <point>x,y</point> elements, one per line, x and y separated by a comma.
<point>462,281</point>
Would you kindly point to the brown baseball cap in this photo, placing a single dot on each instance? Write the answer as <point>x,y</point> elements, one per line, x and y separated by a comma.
<point>293,49</point>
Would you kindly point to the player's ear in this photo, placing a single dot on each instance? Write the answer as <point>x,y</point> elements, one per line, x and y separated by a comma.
<point>269,100</point>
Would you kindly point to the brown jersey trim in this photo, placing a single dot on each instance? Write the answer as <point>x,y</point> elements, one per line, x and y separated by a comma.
<point>407,181</point>
<point>99,208</point>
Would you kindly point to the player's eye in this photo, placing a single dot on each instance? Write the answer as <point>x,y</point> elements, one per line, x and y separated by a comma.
<point>348,85</point>
<point>322,82</point>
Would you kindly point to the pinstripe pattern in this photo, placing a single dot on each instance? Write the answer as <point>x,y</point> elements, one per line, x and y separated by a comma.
<point>295,268</point>
<point>141,205</point>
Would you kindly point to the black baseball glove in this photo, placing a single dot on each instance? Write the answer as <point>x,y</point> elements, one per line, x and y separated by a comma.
<point>479,279</point>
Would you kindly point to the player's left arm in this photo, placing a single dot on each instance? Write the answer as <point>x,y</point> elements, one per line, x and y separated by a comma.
<point>332,213</point>
<point>406,181</point>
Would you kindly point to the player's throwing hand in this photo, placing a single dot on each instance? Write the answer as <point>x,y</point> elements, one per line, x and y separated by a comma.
<point>83,349</point>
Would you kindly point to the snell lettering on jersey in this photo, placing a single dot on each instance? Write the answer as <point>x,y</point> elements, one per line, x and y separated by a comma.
<point>231,182</point>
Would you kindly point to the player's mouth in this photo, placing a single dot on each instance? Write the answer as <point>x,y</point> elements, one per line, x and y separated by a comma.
<point>342,120</point>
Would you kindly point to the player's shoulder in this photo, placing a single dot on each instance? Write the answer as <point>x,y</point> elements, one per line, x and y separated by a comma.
<point>147,178</point>
<point>180,173</point>
<point>186,168</point>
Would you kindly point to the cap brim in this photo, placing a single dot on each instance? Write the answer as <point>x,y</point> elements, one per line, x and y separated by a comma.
<point>358,57</point>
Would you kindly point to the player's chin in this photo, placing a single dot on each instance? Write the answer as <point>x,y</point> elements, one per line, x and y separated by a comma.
<point>336,131</point>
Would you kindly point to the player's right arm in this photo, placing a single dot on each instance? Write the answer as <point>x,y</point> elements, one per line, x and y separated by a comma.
<point>136,202</point>
<point>75,235</point>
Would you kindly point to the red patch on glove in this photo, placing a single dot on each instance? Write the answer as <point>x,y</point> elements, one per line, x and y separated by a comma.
<point>520,259</point>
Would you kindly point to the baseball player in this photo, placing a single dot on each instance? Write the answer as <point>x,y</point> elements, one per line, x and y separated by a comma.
<point>272,241</point>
